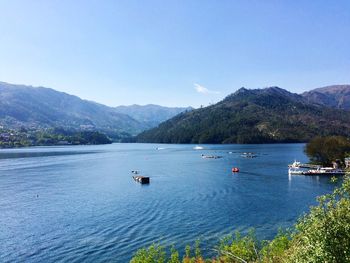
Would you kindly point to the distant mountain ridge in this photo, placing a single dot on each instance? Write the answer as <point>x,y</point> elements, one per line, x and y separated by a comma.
<point>151,114</point>
<point>38,107</point>
<point>267,115</point>
<point>24,106</point>
<point>336,96</point>
<point>246,116</point>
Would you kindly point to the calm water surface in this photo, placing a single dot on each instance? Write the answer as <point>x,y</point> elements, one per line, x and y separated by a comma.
<point>80,203</point>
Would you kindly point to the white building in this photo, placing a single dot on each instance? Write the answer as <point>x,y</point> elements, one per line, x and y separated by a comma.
<point>347,162</point>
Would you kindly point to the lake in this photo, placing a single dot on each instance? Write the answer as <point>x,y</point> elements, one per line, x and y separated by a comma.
<point>80,203</point>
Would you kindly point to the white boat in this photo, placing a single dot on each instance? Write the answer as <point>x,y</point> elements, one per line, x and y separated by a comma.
<point>249,155</point>
<point>297,164</point>
<point>211,156</point>
<point>198,148</point>
<point>295,171</point>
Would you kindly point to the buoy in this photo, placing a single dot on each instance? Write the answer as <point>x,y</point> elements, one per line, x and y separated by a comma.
<point>235,170</point>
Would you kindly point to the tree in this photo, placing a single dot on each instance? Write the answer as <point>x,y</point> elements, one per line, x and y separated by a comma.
<point>325,150</point>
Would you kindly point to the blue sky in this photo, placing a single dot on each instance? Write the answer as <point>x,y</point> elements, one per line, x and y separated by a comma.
<point>173,53</point>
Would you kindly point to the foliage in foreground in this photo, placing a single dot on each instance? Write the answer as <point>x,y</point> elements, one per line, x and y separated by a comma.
<point>322,235</point>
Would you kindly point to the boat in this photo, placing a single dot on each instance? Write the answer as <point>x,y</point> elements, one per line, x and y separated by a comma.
<point>295,171</point>
<point>141,179</point>
<point>198,147</point>
<point>297,164</point>
<point>135,171</point>
<point>211,156</point>
<point>235,169</point>
<point>249,155</point>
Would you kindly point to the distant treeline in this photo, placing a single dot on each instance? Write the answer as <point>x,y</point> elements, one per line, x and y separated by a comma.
<point>49,137</point>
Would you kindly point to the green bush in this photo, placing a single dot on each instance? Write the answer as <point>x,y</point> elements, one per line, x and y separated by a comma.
<point>240,248</point>
<point>153,254</point>
<point>323,235</point>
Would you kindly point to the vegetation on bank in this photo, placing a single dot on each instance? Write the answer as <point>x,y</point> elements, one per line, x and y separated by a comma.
<point>326,150</point>
<point>322,235</point>
<point>49,137</point>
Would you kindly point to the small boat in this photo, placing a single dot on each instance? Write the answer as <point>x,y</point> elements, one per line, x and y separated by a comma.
<point>249,155</point>
<point>141,179</point>
<point>135,171</point>
<point>295,164</point>
<point>211,156</point>
<point>235,169</point>
<point>198,148</point>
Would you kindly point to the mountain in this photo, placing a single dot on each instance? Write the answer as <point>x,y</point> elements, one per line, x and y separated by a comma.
<point>151,115</point>
<point>29,107</point>
<point>267,115</point>
<point>336,96</point>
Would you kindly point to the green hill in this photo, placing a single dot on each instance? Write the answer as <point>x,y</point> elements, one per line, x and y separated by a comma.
<point>269,115</point>
<point>41,108</point>
<point>38,107</point>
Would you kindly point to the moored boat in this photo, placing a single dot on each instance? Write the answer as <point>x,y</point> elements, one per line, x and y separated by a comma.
<point>249,155</point>
<point>295,171</point>
<point>211,156</point>
<point>297,164</point>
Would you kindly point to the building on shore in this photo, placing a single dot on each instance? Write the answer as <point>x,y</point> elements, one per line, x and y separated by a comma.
<point>347,162</point>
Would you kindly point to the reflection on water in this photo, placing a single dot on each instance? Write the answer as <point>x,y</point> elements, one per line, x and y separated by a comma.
<point>79,203</point>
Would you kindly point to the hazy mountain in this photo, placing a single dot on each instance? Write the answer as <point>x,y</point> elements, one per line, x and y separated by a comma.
<point>151,115</point>
<point>26,106</point>
<point>337,96</point>
<point>252,116</point>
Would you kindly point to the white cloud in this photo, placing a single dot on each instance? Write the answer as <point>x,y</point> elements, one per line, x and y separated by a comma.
<point>204,90</point>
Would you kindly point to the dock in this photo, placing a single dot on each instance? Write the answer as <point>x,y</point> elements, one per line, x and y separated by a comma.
<point>304,165</point>
<point>141,179</point>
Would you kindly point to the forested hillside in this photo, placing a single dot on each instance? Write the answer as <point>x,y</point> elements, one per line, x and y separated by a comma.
<point>267,115</point>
